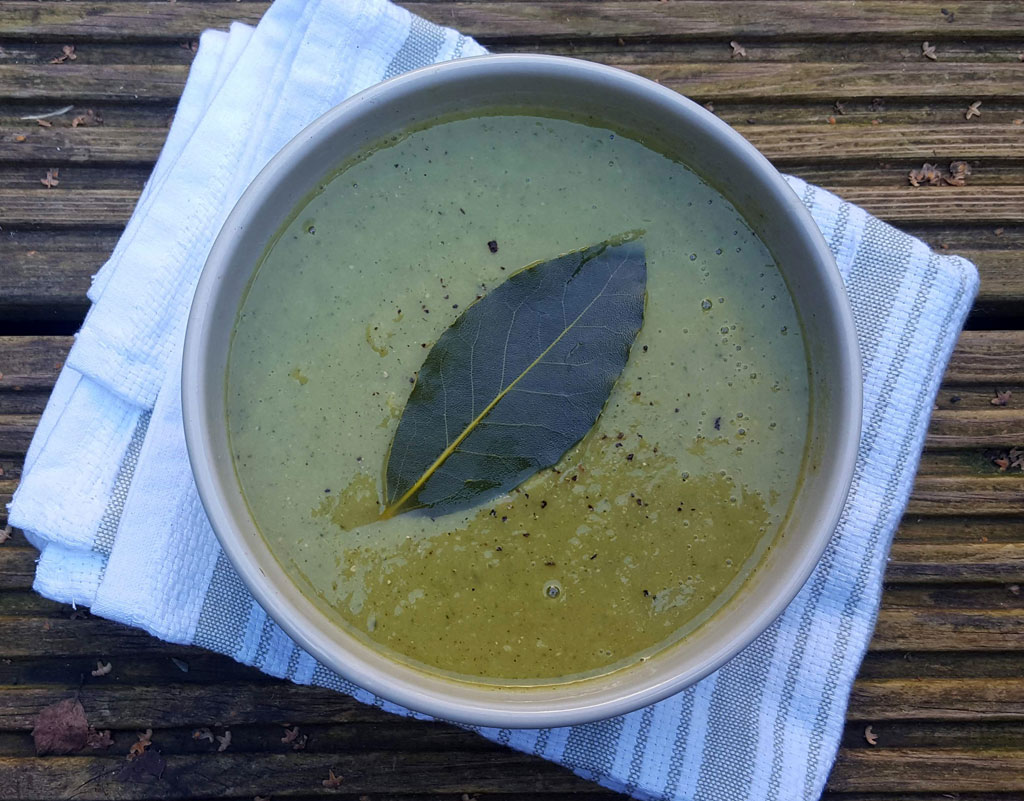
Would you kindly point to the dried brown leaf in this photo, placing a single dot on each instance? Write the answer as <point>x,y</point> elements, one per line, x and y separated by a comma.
<point>224,741</point>
<point>959,171</point>
<point>840,108</point>
<point>928,51</point>
<point>831,120</point>
<point>5,534</point>
<point>44,123</point>
<point>738,49</point>
<point>974,110</point>
<point>99,739</point>
<point>1001,398</point>
<point>68,54</point>
<point>102,670</point>
<point>90,117</point>
<point>290,734</point>
<point>928,174</point>
<point>20,138</point>
<point>332,782</point>
<point>139,748</point>
<point>50,180</point>
<point>61,728</point>
<point>1016,456</point>
<point>202,734</point>
<point>870,736</point>
<point>710,106</point>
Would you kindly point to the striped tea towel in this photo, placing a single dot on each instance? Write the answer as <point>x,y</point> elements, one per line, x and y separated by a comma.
<point>108,497</point>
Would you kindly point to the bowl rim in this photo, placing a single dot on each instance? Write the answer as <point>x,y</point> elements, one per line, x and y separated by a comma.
<point>493,711</point>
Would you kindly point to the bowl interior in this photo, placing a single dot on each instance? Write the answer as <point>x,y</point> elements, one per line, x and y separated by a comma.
<point>632,106</point>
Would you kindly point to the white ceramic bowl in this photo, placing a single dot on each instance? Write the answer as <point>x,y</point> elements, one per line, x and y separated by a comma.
<point>623,102</point>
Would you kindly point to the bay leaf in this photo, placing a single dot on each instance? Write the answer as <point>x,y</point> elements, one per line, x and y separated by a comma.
<point>518,379</point>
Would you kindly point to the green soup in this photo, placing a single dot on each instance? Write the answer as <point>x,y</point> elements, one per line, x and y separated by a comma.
<point>643,529</point>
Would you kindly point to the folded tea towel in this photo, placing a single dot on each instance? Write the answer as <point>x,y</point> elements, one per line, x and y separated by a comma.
<point>108,498</point>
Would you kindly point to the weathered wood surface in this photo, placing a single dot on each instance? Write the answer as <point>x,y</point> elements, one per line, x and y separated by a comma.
<point>835,91</point>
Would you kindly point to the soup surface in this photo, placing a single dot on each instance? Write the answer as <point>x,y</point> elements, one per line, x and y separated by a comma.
<point>645,527</point>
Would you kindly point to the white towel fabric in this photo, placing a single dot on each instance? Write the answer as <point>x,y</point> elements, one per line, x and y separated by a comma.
<point>108,498</point>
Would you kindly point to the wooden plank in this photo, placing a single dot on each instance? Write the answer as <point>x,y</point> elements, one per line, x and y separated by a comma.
<point>49,275</point>
<point>31,362</point>
<point>391,733</point>
<point>758,110</point>
<point>967,496</point>
<point>77,177</point>
<point>968,204</point>
<point>936,699</point>
<point>17,567</point>
<point>119,22</point>
<point>240,775</point>
<point>834,145</point>
<point>59,208</point>
<point>112,207</point>
<point>46,274</point>
<point>728,81</point>
<point>1001,562</point>
<point>825,20</point>
<point>1002,275</point>
<point>989,428</point>
<point>913,770</point>
<point>16,433</point>
<point>981,359</point>
<point>204,667</point>
<point>958,530</point>
<point>997,563</point>
<point>845,142</point>
<point>949,629</point>
<point>898,629</point>
<point>825,81</point>
<point>82,84</point>
<point>58,146</point>
<point>111,704</point>
<point>958,594</point>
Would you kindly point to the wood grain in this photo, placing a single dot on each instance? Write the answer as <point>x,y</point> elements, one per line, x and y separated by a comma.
<point>703,81</point>
<point>833,145</point>
<point>59,208</point>
<point>846,20</point>
<point>913,770</point>
<point>942,684</point>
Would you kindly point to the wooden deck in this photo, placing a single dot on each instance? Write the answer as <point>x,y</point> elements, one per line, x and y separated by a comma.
<point>836,91</point>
